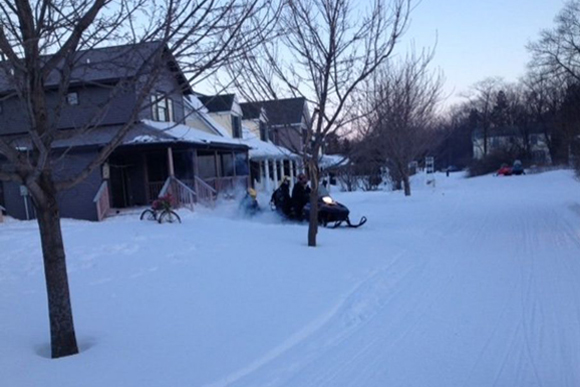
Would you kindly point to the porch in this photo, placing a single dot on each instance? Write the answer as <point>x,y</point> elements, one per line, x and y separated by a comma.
<point>266,173</point>
<point>136,175</point>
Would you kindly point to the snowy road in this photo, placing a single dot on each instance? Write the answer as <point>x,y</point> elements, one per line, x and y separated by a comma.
<point>492,299</point>
<point>472,283</point>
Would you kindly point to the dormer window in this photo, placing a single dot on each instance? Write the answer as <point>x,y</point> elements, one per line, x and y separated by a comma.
<point>263,131</point>
<point>161,108</point>
<point>72,98</point>
<point>236,127</point>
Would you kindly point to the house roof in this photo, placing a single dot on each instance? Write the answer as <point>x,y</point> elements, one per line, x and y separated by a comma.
<point>260,150</point>
<point>218,103</point>
<point>145,132</point>
<point>251,110</point>
<point>281,112</point>
<point>185,133</point>
<point>108,64</point>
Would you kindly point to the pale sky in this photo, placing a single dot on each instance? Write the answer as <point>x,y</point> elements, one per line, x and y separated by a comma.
<point>479,38</point>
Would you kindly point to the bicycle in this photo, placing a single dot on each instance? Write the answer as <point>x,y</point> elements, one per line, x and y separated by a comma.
<point>161,211</point>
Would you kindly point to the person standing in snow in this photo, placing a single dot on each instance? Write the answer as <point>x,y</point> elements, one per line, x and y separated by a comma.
<point>300,195</point>
<point>281,197</point>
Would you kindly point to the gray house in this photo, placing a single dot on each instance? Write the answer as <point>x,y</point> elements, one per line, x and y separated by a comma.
<point>159,153</point>
<point>288,121</point>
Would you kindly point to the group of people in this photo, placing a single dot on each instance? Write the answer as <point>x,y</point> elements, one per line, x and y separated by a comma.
<point>291,206</point>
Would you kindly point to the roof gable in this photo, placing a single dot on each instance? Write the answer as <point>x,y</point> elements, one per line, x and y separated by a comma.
<point>109,64</point>
<point>283,112</point>
<point>218,103</point>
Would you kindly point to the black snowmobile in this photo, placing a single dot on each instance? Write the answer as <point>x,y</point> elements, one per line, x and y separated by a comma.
<point>330,212</point>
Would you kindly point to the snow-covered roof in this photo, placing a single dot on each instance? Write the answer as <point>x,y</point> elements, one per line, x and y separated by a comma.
<point>265,149</point>
<point>180,132</point>
<point>332,161</point>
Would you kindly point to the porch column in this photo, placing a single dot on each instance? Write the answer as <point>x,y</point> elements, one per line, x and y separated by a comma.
<point>275,173</point>
<point>195,171</point>
<point>267,175</point>
<point>291,164</point>
<point>234,163</point>
<point>260,181</point>
<point>170,162</point>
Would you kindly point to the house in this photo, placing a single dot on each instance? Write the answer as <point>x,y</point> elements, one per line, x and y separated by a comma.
<point>531,141</point>
<point>250,122</point>
<point>288,121</point>
<point>159,154</point>
<point>269,162</point>
<point>226,111</point>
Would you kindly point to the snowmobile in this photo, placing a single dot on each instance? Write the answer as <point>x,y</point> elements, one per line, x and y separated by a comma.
<point>331,213</point>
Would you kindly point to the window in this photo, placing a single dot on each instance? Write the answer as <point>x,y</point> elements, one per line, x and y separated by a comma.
<point>161,108</point>
<point>236,127</point>
<point>72,98</point>
<point>263,131</point>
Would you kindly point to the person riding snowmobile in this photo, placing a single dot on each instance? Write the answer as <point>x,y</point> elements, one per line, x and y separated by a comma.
<point>249,204</point>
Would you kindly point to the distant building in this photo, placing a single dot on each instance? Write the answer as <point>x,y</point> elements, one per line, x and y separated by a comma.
<point>531,141</point>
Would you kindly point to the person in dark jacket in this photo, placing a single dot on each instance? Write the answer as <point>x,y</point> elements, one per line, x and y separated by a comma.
<point>300,195</point>
<point>281,197</point>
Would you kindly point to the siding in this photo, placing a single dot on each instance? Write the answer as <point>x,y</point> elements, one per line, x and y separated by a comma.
<point>74,203</point>
<point>90,99</point>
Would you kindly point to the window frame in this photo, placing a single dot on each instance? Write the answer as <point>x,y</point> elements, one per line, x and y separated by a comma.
<point>72,98</point>
<point>161,105</point>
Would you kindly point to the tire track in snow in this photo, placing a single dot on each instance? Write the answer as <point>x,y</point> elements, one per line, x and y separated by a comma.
<point>355,310</point>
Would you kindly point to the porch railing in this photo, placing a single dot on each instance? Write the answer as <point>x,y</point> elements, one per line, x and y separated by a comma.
<point>154,189</point>
<point>205,192</point>
<point>182,194</point>
<point>102,201</point>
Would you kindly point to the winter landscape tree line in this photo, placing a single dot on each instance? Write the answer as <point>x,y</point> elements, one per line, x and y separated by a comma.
<point>544,102</point>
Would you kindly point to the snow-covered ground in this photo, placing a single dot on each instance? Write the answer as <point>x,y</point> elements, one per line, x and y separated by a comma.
<point>473,282</point>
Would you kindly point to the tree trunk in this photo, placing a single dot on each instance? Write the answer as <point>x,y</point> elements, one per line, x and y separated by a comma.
<point>62,332</point>
<point>313,221</point>
<point>407,184</point>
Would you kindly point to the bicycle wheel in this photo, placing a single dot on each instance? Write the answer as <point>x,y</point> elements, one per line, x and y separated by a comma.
<point>169,216</point>
<point>148,215</point>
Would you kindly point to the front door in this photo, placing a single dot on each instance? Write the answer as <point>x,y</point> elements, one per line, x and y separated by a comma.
<point>119,182</point>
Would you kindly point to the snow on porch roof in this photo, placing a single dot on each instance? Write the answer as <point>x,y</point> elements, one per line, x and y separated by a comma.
<point>169,131</point>
<point>260,150</point>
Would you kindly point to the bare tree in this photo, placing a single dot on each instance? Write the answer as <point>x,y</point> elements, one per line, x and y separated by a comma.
<point>44,46</point>
<point>557,50</point>
<point>482,98</point>
<point>405,98</point>
<point>325,50</point>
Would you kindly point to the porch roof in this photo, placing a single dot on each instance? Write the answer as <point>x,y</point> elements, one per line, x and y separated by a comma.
<point>262,150</point>
<point>145,132</point>
<point>169,131</point>
<point>332,161</point>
